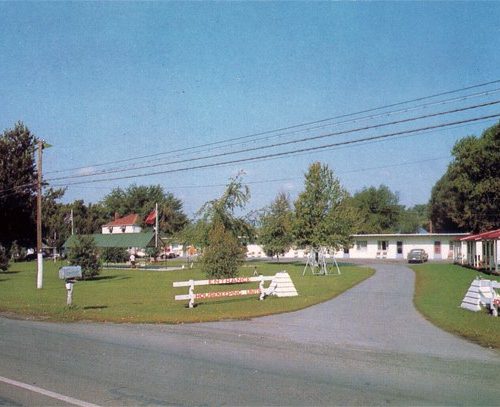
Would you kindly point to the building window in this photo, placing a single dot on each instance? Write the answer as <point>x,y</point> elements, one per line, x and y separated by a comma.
<point>383,245</point>
<point>361,245</point>
<point>123,229</point>
<point>110,229</point>
<point>346,249</point>
<point>437,247</point>
<point>399,247</point>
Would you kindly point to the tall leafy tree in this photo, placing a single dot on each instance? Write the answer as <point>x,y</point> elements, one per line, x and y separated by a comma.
<point>17,186</point>
<point>142,200</point>
<point>379,210</point>
<point>275,233</point>
<point>414,219</point>
<point>323,216</point>
<point>467,197</point>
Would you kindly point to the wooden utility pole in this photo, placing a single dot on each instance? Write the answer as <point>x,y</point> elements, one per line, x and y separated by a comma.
<point>39,249</point>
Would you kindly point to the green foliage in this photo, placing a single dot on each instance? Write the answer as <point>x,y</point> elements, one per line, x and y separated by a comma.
<point>17,252</point>
<point>142,200</point>
<point>275,233</point>
<point>4,259</point>
<point>85,254</point>
<point>223,255</point>
<point>412,219</point>
<point>323,215</point>
<point>379,210</point>
<point>55,230</point>
<point>114,254</point>
<point>18,185</point>
<point>153,252</point>
<point>467,197</point>
<point>222,210</point>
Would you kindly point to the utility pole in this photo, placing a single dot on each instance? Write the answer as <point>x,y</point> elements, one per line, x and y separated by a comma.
<point>156,225</point>
<point>39,276</point>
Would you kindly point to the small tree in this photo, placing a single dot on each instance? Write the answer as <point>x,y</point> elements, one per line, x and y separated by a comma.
<point>4,259</point>
<point>275,233</point>
<point>114,255</point>
<point>85,254</point>
<point>153,252</point>
<point>323,216</point>
<point>223,255</point>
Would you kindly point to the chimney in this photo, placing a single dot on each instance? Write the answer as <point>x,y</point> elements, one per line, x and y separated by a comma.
<point>116,215</point>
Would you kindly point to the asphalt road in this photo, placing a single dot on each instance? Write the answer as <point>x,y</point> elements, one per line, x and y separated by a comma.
<point>366,347</point>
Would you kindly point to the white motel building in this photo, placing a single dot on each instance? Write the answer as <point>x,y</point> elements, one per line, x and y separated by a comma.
<point>439,246</point>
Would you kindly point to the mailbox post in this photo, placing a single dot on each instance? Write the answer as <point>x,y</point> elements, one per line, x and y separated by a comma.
<point>70,274</point>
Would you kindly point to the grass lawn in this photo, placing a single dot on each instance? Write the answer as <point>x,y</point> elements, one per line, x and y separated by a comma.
<point>439,291</point>
<point>148,296</point>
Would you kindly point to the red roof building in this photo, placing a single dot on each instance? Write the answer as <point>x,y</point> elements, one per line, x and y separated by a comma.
<point>482,250</point>
<point>126,224</point>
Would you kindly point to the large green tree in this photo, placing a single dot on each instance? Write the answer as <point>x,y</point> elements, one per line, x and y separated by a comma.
<point>275,232</point>
<point>379,210</point>
<point>17,186</point>
<point>142,200</point>
<point>323,216</point>
<point>467,197</point>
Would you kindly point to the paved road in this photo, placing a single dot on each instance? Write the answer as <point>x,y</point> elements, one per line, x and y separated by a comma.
<point>340,352</point>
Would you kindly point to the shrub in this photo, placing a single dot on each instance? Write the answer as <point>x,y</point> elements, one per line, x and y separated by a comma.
<point>114,255</point>
<point>4,259</point>
<point>223,255</point>
<point>17,253</point>
<point>85,254</point>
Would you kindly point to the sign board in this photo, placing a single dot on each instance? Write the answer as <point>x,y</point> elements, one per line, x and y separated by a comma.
<point>67,272</point>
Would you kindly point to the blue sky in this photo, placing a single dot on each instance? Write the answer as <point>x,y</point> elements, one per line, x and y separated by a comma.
<point>106,81</point>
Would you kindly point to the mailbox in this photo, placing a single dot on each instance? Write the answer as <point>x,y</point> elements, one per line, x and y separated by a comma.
<point>70,272</point>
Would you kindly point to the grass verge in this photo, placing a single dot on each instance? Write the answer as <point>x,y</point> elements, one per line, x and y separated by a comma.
<point>439,291</point>
<point>148,297</point>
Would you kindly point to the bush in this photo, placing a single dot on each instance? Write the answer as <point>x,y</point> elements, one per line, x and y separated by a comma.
<point>4,259</point>
<point>223,255</point>
<point>17,253</point>
<point>85,254</point>
<point>114,255</point>
<point>153,252</point>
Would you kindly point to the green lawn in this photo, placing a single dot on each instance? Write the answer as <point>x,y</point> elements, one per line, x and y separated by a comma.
<point>439,291</point>
<point>148,296</point>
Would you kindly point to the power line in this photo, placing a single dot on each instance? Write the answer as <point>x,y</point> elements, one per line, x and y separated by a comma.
<point>280,154</point>
<point>307,139</point>
<point>288,127</point>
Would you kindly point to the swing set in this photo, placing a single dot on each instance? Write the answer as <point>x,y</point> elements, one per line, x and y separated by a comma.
<point>317,263</point>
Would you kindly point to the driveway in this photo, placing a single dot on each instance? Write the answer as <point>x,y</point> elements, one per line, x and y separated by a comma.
<point>377,314</point>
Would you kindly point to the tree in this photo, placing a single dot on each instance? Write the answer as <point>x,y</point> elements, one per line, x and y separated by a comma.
<point>17,186</point>
<point>275,233</point>
<point>114,254</point>
<point>467,197</point>
<point>379,210</point>
<point>413,219</point>
<point>142,200</point>
<point>84,253</point>
<point>323,216</point>
<point>4,259</point>
<point>222,210</point>
<point>55,230</point>
<point>222,257</point>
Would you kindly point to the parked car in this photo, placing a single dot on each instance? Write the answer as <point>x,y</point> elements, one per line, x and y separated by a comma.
<point>170,255</point>
<point>417,256</point>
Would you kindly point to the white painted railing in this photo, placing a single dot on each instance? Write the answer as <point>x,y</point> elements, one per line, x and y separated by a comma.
<point>281,286</point>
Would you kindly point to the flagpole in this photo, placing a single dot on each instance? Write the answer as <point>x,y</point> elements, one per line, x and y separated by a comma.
<point>156,225</point>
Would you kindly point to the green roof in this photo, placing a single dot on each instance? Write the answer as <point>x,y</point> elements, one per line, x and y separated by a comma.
<point>126,240</point>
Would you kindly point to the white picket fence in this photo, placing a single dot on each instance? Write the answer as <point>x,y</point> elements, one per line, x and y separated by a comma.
<point>281,286</point>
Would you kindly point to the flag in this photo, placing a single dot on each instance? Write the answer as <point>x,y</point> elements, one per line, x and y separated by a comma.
<point>151,218</point>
